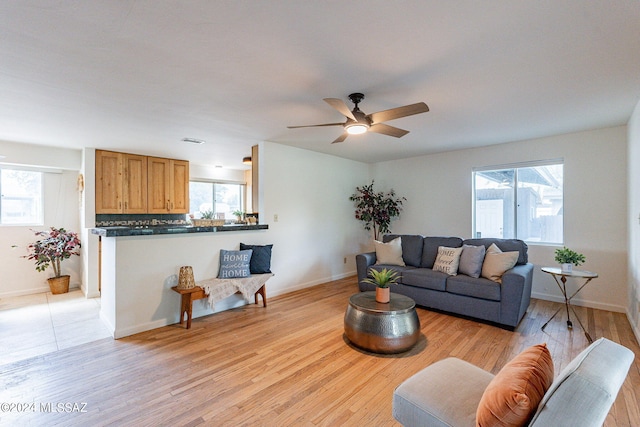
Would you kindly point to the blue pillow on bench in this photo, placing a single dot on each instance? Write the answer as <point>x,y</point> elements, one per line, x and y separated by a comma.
<point>234,264</point>
<point>260,258</point>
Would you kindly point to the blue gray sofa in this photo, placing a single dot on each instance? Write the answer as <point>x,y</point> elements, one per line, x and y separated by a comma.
<point>503,304</point>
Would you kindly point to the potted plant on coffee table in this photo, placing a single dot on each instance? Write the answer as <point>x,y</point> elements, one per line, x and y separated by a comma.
<point>568,258</point>
<point>54,246</point>
<point>382,279</point>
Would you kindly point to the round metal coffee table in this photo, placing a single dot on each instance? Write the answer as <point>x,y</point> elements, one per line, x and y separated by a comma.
<point>393,327</point>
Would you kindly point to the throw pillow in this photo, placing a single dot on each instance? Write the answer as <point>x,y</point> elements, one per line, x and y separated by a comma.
<point>389,253</point>
<point>260,258</point>
<point>514,394</point>
<point>234,264</point>
<point>471,260</point>
<point>497,262</point>
<point>447,260</point>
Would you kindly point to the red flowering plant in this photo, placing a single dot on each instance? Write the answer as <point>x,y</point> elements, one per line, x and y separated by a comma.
<point>376,210</point>
<point>56,245</point>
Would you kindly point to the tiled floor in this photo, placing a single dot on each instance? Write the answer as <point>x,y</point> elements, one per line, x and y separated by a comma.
<point>36,324</point>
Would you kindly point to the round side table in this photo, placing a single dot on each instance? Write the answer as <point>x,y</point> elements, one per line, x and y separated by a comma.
<point>576,274</point>
<point>393,327</point>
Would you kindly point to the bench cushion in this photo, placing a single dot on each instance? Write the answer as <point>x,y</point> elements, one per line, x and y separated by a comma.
<point>445,393</point>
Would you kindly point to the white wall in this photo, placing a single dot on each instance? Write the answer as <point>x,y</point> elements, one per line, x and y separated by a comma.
<point>309,192</point>
<point>633,308</point>
<point>61,209</point>
<point>438,189</point>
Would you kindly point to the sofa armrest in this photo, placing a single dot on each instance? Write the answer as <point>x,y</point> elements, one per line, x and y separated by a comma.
<point>515,294</point>
<point>363,261</point>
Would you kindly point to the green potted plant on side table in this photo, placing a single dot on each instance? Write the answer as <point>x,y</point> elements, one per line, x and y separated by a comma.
<point>568,258</point>
<point>382,279</point>
<point>54,246</point>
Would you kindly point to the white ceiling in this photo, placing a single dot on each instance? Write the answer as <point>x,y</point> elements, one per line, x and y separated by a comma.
<point>138,76</point>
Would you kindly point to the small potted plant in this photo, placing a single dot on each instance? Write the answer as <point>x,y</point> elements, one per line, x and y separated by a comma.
<point>382,279</point>
<point>54,246</point>
<point>239,215</point>
<point>568,259</point>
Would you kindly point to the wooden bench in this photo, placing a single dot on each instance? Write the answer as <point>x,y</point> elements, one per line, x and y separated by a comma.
<point>188,296</point>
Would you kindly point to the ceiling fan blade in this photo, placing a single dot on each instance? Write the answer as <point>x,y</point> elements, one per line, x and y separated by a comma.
<point>341,138</point>
<point>396,113</point>
<point>313,126</point>
<point>388,130</point>
<point>339,105</point>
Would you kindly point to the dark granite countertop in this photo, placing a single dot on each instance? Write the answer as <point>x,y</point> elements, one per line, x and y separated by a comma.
<point>170,229</point>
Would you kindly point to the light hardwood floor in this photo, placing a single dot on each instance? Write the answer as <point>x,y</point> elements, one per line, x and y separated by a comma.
<point>284,365</point>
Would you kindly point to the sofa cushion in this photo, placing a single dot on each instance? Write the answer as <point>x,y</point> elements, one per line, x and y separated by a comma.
<point>447,260</point>
<point>425,278</point>
<point>505,245</point>
<point>431,245</point>
<point>513,395</point>
<point>400,270</point>
<point>411,247</point>
<point>472,287</point>
<point>445,393</point>
<point>389,253</point>
<point>496,263</point>
<point>471,260</point>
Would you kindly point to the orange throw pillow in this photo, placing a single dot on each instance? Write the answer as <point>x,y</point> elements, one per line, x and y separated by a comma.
<point>513,396</point>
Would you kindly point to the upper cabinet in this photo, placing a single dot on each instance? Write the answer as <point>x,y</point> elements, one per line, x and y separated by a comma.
<point>168,185</point>
<point>109,178</point>
<point>134,184</point>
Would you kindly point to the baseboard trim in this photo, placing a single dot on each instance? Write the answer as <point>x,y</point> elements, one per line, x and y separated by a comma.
<point>580,302</point>
<point>634,327</point>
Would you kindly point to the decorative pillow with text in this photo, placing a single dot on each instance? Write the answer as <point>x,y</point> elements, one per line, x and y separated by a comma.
<point>447,260</point>
<point>234,264</point>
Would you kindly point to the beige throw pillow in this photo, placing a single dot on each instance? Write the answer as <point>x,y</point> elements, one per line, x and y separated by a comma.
<point>447,260</point>
<point>389,253</point>
<point>496,263</point>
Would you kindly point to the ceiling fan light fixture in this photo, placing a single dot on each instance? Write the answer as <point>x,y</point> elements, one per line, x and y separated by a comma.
<point>356,129</point>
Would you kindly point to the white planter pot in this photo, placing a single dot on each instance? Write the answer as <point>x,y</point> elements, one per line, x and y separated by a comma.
<point>567,268</point>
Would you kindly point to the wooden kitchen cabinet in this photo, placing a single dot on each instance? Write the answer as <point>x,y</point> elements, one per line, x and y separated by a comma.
<point>168,185</point>
<point>121,183</point>
<point>109,182</point>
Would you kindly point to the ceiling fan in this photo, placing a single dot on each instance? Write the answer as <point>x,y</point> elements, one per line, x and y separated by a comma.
<point>359,122</point>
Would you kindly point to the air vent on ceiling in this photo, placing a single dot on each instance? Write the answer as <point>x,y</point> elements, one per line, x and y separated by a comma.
<point>193,140</point>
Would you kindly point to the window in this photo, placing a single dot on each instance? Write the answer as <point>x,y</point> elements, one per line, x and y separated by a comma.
<point>20,197</point>
<point>522,202</point>
<point>221,198</point>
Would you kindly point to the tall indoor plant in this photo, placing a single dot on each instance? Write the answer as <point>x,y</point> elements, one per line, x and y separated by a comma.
<point>54,246</point>
<point>376,209</point>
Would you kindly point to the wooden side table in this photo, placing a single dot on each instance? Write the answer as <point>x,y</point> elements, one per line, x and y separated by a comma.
<point>188,296</point>
<point>577,274</point>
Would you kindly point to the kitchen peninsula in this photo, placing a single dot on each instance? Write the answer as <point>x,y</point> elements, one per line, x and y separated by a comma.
<point>139,265</point>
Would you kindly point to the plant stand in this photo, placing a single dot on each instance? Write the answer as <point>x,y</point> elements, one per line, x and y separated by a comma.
<point>59,285</point>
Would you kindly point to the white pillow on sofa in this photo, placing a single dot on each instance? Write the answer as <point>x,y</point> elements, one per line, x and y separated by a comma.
<point>447,260</point>
<point>496,263</point>
<point>389,253</point>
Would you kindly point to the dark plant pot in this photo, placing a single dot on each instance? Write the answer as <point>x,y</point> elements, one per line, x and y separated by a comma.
<point>59,285</point>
